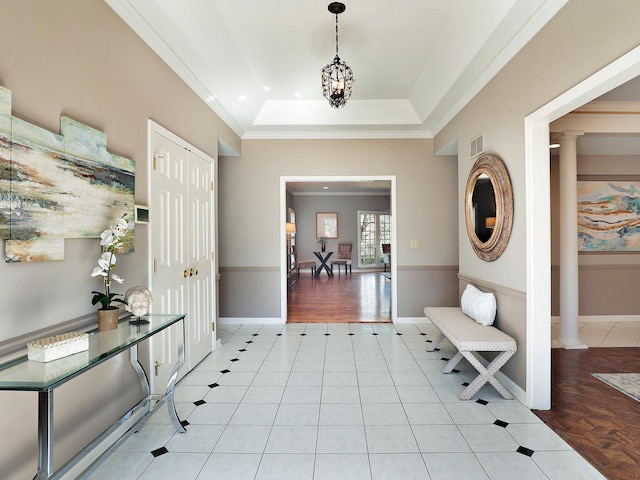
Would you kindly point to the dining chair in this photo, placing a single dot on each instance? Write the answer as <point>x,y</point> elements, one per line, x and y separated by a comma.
<point>343,257</point>
<point>304,264</point>
<point>386,252</point>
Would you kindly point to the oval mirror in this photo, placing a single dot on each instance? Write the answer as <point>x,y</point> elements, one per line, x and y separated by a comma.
<point>489,207</point>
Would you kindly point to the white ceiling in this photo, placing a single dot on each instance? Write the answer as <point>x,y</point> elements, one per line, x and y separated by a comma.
<point>257,63</point>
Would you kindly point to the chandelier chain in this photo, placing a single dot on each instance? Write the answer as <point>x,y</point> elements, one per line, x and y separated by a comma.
<point>337,35</point>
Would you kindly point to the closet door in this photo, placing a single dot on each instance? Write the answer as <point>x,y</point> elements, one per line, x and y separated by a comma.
<point>181,218</point>
<point>200,241</point>
<point>168,222</point>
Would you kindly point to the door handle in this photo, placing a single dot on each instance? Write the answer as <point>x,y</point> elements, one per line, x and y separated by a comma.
<point>156,366</point>
<point>185,274</point>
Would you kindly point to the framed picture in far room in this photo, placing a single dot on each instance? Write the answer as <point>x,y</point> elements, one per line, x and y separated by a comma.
<point>326,225</point>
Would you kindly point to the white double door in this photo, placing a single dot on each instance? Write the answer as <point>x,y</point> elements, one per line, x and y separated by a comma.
<point>182,244</point>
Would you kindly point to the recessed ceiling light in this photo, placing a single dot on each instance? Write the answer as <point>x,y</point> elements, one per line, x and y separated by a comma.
<point>297,94</point>
<point>325,187</point>
<point>242,98</point>
<point>266,88</point>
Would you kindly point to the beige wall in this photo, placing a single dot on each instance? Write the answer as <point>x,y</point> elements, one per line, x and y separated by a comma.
<point>249,215</point>
<point>77,58</point>
<point>582,38</point>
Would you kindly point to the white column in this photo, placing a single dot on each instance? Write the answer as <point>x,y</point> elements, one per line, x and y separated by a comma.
<point>569,242</point>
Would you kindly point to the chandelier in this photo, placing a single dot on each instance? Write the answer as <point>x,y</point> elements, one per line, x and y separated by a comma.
<point>337,77</point>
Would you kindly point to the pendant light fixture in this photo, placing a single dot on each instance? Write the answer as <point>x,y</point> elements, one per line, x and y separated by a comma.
<point>337,77</point>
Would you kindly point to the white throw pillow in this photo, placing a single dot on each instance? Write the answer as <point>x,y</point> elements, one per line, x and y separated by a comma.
<point>478,305</point>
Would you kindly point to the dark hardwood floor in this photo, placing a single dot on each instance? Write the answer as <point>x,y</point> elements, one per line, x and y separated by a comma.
<point>598,421</point>
<point>358,297</point>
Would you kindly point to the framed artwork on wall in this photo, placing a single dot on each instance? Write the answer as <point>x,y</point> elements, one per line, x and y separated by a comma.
<point>326,225</point>
<point>609,216</point>
<point>57,186</point>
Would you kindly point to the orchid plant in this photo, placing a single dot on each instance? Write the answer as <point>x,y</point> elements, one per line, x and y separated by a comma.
<point>110,240</point>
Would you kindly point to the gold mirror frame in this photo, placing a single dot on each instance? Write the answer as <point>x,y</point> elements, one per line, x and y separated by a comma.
<point>493,167</point>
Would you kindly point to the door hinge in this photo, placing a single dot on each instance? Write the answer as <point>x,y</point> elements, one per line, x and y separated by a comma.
<point>213,256</point>
<point>211,186</point>
<point>155,157</point>
<point>155,266</point>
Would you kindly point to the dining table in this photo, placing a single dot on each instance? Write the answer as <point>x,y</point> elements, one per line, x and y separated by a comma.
<point>324,258</point>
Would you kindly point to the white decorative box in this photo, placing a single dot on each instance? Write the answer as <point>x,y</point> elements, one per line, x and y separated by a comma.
<point>58,346</point>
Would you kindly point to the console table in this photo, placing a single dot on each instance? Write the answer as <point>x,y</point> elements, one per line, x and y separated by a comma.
<point>22,374</point>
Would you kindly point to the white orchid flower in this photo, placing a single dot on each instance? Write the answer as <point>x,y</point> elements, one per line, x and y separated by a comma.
<point>110,240</point>
<point>106,238</point>
<point>109,258</point>
<point>98,271</point>
<point>117,278</point>
<point>120,228</point>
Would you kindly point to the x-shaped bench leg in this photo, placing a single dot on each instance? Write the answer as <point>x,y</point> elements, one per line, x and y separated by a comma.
<point>486,374</point>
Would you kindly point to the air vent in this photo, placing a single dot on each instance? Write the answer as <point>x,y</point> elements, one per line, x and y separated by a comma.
<point>477,145</point>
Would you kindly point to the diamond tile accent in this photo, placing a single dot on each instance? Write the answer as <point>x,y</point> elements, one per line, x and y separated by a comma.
<point>250,341</point>
<point>242,350</point>
<point>159,451</point>
<point>327,334</point>
<point>351,334</point>
<point>213,385</point>
<point>235,359</point>
<point>197,403</point>
<point>482,402</point>
<point>185,423</point>
<point>525,451</point>
<point>225,371</point>
<point>501,423</point>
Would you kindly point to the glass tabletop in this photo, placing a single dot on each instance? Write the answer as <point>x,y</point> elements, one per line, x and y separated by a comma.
<point>25,374</point>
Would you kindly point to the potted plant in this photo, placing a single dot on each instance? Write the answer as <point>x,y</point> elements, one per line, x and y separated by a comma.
<point>110,240</point>
<point>323,243</point>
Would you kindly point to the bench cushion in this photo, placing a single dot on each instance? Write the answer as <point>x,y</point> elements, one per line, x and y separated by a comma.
<point>466,334</point>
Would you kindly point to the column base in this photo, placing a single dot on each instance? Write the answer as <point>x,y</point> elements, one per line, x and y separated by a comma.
<point>569,344</point>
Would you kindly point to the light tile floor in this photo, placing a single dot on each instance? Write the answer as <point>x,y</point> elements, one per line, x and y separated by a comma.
<point>604,334</point>
<point>339,402</point>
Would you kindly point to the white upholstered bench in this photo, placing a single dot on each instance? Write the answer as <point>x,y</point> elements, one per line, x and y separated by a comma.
<point>468,336</point>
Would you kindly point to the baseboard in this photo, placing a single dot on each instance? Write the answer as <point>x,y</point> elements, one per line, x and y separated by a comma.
<point>250,321</point>
<point>602,318</point>
<point>403,320</point>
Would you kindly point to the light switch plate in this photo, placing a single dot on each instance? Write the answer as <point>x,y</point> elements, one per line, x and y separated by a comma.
<point>415,243</point>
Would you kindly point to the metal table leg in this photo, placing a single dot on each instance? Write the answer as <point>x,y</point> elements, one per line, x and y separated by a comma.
<point>168,397</point>
<point>45,435</point>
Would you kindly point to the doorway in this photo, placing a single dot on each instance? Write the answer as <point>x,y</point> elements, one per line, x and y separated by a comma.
<point>306,235</point>
<point>538,207</point>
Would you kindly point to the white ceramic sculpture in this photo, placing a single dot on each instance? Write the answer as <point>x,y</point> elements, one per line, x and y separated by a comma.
<point>138,300</point>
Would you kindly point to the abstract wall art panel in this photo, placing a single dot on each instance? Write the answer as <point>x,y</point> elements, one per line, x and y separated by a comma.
<point>609,216</point>
<point>6,200</point>
<point>57,186</point>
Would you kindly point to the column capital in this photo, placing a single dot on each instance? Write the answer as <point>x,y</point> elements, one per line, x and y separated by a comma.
<point>570,134</point>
